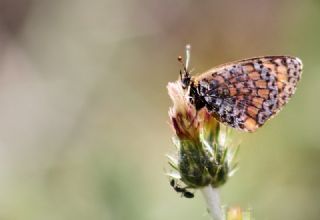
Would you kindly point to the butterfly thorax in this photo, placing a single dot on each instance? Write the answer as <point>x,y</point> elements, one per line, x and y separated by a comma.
<point>214,97</point>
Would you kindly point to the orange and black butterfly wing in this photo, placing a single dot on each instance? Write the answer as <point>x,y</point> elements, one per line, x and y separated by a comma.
<point>245,94</point>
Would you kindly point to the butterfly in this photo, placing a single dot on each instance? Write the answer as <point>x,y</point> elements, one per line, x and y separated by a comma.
<point>244,94</point>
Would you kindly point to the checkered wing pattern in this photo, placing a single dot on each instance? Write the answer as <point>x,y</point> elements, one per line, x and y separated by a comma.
<point>245,94</point>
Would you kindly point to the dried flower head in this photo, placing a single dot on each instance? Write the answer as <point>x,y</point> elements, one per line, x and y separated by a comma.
<point>204,156</point>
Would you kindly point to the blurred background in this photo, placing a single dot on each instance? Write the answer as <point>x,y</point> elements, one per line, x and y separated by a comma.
<point>83,107</point>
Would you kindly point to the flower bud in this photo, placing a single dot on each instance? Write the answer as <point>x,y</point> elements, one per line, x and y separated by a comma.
<point>204,157</point>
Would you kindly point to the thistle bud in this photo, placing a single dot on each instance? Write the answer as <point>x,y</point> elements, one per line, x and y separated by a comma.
<point>204,156</point>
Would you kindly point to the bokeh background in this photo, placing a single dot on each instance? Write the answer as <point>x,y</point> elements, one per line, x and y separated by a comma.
<point>83,107</point>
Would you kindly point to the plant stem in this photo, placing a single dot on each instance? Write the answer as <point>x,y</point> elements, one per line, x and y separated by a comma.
<point>212,198</point>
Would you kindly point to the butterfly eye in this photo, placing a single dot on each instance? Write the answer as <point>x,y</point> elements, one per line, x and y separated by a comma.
<point>185,81</point>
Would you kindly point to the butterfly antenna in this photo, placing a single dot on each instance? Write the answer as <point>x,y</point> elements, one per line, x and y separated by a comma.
<point>188,55</point>
<point>184,74</point>
<point>185,66</point>
<point>182,63</point>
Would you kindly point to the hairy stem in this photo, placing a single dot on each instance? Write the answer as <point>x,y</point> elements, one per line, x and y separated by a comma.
<point>212,198</point>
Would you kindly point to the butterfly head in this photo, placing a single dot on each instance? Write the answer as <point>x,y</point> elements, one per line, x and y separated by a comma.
<point>185,76</point>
